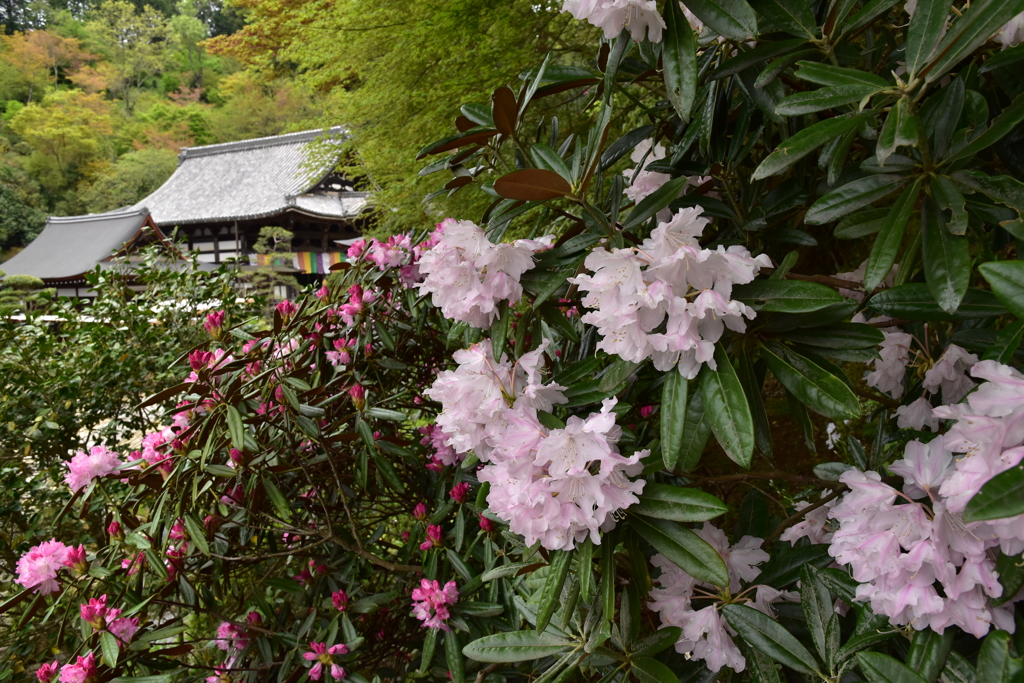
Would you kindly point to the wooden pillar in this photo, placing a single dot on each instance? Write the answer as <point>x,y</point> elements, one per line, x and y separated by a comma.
<point>238,242</point>
<point>216,244</point>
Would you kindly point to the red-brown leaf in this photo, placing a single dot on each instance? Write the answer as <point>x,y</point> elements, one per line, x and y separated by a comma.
<point>463,124</point>
<point>532,184</point>
<point>458,182</point>
<point>504,110</point>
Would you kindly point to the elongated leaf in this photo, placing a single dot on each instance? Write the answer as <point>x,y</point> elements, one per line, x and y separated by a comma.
<point>515,646</point>
<point>682,547</point>
<point>784,568</point>
<point>556,319</point>
<point>695,434</point>
<point>839,336</point>
<point>664,501</point>
<point>827,74</point>
<point>1003,189</point>
<point>545,157</point>
<point>900,129</point>
<point>940,115</point>
<point>879,668</point>
<point>828,97</point>
<point>815,387</point>
<point>1007,281</point>
<point>887,245</point>
<point>235,427</point>
<point>804,142</point>
<point>532,184</point>
<point>752,384</point>
<point>654,202</point>
<point>969,32</point>
<point>925,30</point>
<point>767,635</point>
<point>866,14</point>
<point>816,603</point>
<point>914,301</point>
<point>673,418</point>
<point>1002,496</point>
<point>110,648</point>
<point>786,296</point>
<point>504,110</point>
<point>947,259</point>
<point>726,408</point>
<point>755,56</point>
<point>660,640</point>
<point>928,653</point>
<point>948,197</point>
<point>453,653</point>
<point>793,17</point>
<point>994,658</point>
<point>560,561</point>
<point>196,534</point>
<point>852,196</point>
<point>1007,342</point>
<point>731,18</point>
<point>679,60</point>
<point>626,143</point>
<point>649,670</point>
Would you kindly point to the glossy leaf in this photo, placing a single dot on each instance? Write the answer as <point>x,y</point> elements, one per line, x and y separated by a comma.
<point>664,501</point>
<point>654,202</point>
<point>793,17</point>
<point>504,110</point>
<point>767,635</point>
<point>786,296</point>
<point>695,434</point>
<point>649,670</point>
<point>560,561</point>
<point>926,28</point>
<point>828,97</point>
<point>730,18</point>
<point>947,259</point>
<point>682,547</point>
<point>726,408</point>
<point>235,427</point>
<point>515,646</point>
<point>679,61</point>
<point>879,668</point>
<point>1007,281</point>
<point>982,19</point>
<point>1007,342</point>
<point>626,143</point>
<point>547,158</point>
<point>839,336</point>
<point>453,653</point>
<point>900,129</point>
<point>852,196</point>
<point>827,74</point>
<point>814,386</point>
<point>804,142</point>
<point>1002,496</point>
<point>994,658</point>
<point>928,653</point>
<point>816,603</point>
<point>914,302</point>
<point>673,418</point>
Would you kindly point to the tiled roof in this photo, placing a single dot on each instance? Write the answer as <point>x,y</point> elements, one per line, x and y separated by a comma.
<point>69,247</point>
<point>252,179</point>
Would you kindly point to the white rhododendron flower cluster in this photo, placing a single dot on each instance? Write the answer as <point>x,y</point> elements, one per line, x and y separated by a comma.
<point>706,635</point>
<point>904,546</point>
<point>640,17</point>
<point>669,277</point>
<point>553,485</point>
<point>468,275</point>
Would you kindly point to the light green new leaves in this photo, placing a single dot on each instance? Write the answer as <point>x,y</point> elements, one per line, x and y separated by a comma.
<point>682,547</point>
<point>815,387</point>
<point>679,60</point>
<point>516,646</point>
<point>806,141</point>
<point>726,408</point>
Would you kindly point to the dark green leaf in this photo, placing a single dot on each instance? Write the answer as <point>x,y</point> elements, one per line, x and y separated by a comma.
<point>679,60</point>
<point>560,561</point>
<point>828,97</point>
<point>682,547</point>
<point>557,320</point>
<point>196,534</point>
<point>913,301</point>
<point>852,196</point>
<point>793,17</point>
<point>900,129</point>
<point>726,408</point>
<point>730,18</point>
<point>866,14</point>
<point>926,28</point>
<point>839,336</point>
<point>827,74</point>
<point>994,658</point>
<point>664,501</point>
<point>695,434</point>
<point>881,668</point>
<point>861,224</point>
<point>947,259</point>
<point>928,653</point>
<point>804,142</point>
<point>655,202</point>
<point>660,640</point>
<point>624,144</point>
<point>816,603</point>
<point>235,427</point>
<point>277,500</point>
<point>453,652</point>
<point>1001,496</point>
<point>786,296</point>
<point>515,646</point>
<point>649,670</point>
<point>1007,281</point>
<point>767,635</point>
<point>948,198</point>
<point>815,387</point>
<point>784,567</point>
<point>110,648</point>
<point>547,158</point>
<point>969,32</point>
<point>1006,344</point>
<point>673,418</point>
<point>754,56</point>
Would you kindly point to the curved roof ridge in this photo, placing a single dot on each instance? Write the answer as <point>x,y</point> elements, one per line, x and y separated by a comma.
<point>255,143</point>
<point>123,212</point>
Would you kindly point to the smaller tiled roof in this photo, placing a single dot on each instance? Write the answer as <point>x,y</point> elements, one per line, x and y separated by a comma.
<point>252,179</point>
<point>68,247</point>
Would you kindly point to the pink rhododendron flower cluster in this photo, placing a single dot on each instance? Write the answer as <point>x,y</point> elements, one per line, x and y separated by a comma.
<point>47,672</point>
<point>668,276</point>
<point>553,485</point>
<point>640,17</point>
<point>82,671</point>
<point>444,455</point>
<point>430,603</point>
<point>467,275</point>
<point>84,467</point>
<point>324,658</point>
<point>39,566</point>
<point>100,617</point>
<point>706,635</point>
<point>918,562</point>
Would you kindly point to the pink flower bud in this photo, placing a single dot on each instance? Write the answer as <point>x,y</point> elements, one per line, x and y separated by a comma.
<point>114,531</point>
<point>420,511</point>
<point>237,456</point>
<point>340,600</point>
<point>76,559</point>
<point>459,492</point>
<point>356,249</point>
<point>178,532</point>
<point>358,394</point>
<point>405,537</point>
<point>94,612</point>
<point>323,293</point>
<point>433,538</point>
<point>199,359</point>
<point>210,523</point>
<point>368,350</point>
<point>254,618</point>
<point>47,672</point>
<point>486,525</point>
<point>287,309</point>
<point>214,323</point>
<point>646,411</point>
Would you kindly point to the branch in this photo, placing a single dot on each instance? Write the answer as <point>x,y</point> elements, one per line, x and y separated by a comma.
<point>485,672</point>
<point>796,516</point>
<point>365,554</point>
<point>756,476</point>
<point>820,279</point>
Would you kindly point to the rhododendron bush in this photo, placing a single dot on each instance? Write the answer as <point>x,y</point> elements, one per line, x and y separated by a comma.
<point>725,385</point>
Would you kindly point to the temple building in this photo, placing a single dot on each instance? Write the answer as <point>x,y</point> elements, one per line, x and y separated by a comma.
<point>217,200</point>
